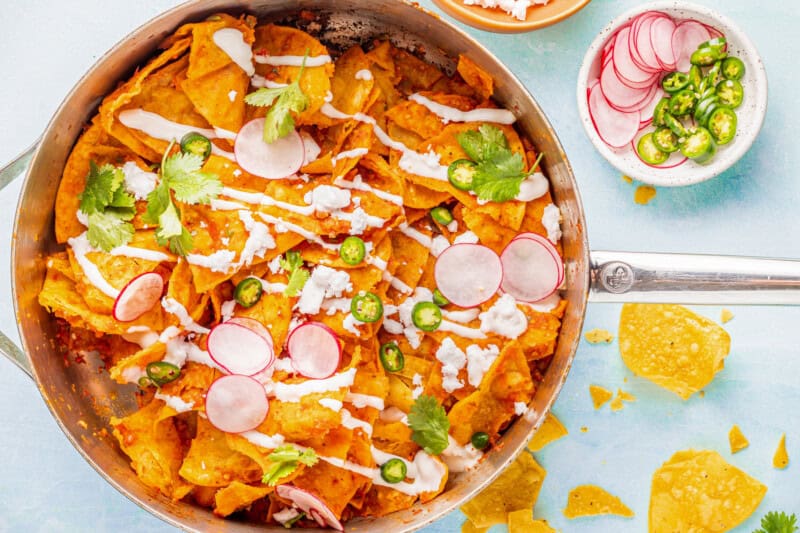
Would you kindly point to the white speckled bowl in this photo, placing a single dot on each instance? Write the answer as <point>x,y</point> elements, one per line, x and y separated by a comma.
<point>750,114</point>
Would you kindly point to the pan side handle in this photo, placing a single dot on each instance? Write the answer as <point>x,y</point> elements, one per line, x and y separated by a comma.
<point>693,279</point>
<point>9,173</point>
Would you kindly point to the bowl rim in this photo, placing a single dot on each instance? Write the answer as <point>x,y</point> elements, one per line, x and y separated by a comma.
<point>734,151</point>
<point>472,16</point>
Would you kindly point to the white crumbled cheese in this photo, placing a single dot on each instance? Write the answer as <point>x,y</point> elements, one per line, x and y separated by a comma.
<point>439,245</point>
<point>237,172</point>
<point>392,326</point>
<point>418,387</point>
<point>350,323</point>
<point>258,242</point>
<point>466,238</point>
<point>284,364</point>
<point>479,360</point>
<point>520,408</point>
<point>453,360</point>
<point>227,310</point>
<point>364,74</point>
<point>330,403</point>
<point>416,380</point>
<point>232,96</point>
<point>504,318</point>
<point>138,182</point>
<point>275,265</point>
<point>460,458</point>
<point>551,220</point>
<point>325,282</point>
<point>219,261</point>
<point>413,334</point>
<point>516,8</point>
<point>286,515</point>
<point>358,221</point>
<point>327,198</point>
<point>426,165</point>
<point>176,402</point>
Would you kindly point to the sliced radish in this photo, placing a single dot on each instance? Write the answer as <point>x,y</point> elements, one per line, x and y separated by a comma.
<point>617,92</point>
<point>310,504</point>
<point>645,63</point>
<point>616,128</point>
<point>315,350</point>
<point>643,45</point>
<point>544,241</point>
<point>468,274</point>
<point>661,31</point>
<point>276,160</point>
<point>715,34</point>
<point>236,403</point>
<point>138,296</point>
<point>311,149</point>
<point>629,73</point>
<point>530,272</point>
<point>255,325</point>
<point>239,349</point>
<point>650,105</point>
<point>688,35</point>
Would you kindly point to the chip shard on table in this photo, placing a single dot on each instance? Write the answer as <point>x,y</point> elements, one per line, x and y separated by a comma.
<point>522,521</point>
<point>551,430</point>
<point>781,458</point>
<point>725,316</point>
<point>672,346</point>
<point>469,527</point>
<point>597,336</point>
<point>600,395</point>
<point>591,500</point>
<point>644,194</point>
<point>737,440</point>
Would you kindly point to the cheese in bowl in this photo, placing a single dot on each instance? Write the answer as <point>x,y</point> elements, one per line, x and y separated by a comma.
<point>331,274</point>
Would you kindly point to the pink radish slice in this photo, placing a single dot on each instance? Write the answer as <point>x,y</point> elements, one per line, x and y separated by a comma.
<point>530,272</point>
<point>637,106</point>
<point>650,105</point>
<point>644,59</point>
<point>239,349</point>
<point>715,33</point>
<point>617,92</point>
<point>311,505</point>
<point>544,241</point>
<point>661,31</point>
<point>311,149</point>
<point>468,274</point>
<point>276,160</point>
<point>254,325</point>
<point>629,73</point>
<point>643,45</point>
<point>236,403</point>
<point>138,296</point>
<point>616,128</point>
<point>315,350</point>
<point>688,35</point>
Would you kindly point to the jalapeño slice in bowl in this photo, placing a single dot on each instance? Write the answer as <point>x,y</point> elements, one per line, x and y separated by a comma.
<point>441,215</point>
<point>730,93</point>
<point>733,68</point>
<point>722,125</point>
<point>665,140</point>
<point>662,108</point>
<point>675,82</point>
<point>353,250</point>
<point>161,372</point>
<point>248,292</point>
<point>394,470</point>
<point>698,144</point>
<point>461,173</point>
<point>426,316</point>
<point>366,307</point>
<point>197,144</point>
<point>649,152</point>
<point>705,56</point>
<point>391,357</point>
<point>682,102</point>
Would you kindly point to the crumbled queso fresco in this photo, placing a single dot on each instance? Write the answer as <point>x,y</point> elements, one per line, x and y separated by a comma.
<point>516,8</point>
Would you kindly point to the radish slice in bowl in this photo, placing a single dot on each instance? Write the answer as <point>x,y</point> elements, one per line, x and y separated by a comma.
<point>628,71</point>
<point>616,128</point>
<point>661,31</point>
<point>311,505</point>
<point>276,160</point>
<point>235,404</point>
<point>688,35</point>
<point>138,296</point>
<point>255,325</point>
<point>531,273</point>
<point>315,350</point>
<point>239,349</point>
<point>468,274</point>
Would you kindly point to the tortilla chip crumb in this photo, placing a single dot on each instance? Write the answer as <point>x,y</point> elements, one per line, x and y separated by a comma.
<point>596,336</point>
<point>591,500</point>
<point>643,194</point>
<point>616,404</point>
<point>737,439</point>
<point>584,429</point>
<point>781,458</point>
<point>552,429</point>
<point>522,522</point>
<point>627,179</point>
<point>725,316</point>
<point>600,395</point>
<point>469,527</point>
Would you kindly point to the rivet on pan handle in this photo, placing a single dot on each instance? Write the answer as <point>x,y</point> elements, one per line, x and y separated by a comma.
<point>9,173</point>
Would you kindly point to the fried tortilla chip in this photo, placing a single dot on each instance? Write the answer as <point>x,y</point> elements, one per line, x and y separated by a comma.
<point>478,79</point>
<point>522,522</point>
<point>591,500</point>
<point>237,496</point>
<point>469,527</point>
<point>597,336</point>
<point>551,429</point>
<point>210,462</point>
<point>781,459</point>
<point>672,346</point>
<point>600,395</point>
<point>737,439</point>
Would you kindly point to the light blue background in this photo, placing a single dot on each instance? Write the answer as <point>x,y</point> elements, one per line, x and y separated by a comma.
<point>750,210</point>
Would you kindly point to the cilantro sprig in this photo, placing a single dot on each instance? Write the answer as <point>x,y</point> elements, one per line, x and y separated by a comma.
<point>429,424</point>
<point>180,175</point>
<point>499,172</point>
<point>775,522</point>
<point>279,121</point>
<point>292,263</point>
<point>108,207</point>
<point>285,460</point>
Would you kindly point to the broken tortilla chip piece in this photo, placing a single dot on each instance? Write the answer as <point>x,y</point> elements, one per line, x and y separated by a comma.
<point>596,336</point>
<point>552,429</point>
<point>600,395</point>
<point>672,346</point>
<point>643,194</point>
<point>516,488</point>
<point>522,522</point>
<point>591,500</point>
<point>737,439</point>
<point>469,527</point>
<point>725,316</point>
<point>781,459</point>
<point>697,490</point>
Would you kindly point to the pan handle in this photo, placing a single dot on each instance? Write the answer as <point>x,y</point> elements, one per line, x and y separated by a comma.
<point>693,279</point>
<point>9,173</point>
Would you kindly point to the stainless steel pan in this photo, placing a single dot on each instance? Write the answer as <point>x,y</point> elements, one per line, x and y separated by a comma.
<point>603,276</point>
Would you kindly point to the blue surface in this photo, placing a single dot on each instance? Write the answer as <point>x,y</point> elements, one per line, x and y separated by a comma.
<point>750,210</point>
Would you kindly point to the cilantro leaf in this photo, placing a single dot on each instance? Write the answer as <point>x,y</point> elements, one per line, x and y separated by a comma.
<point>284,101</point>
<point>123,199</point>
<point>774,522</point>
<point>429,424</point>
<point>181,244</point>
<point>169,224</point>
<point>286,460</point>
<point>292,263</point>
<point>101,182</point>
<point>483,144</point>
<point>108,230</point>
<point>108,206</point>
<point>497,189</point>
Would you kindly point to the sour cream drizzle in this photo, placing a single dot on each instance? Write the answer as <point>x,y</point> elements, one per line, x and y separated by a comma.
<point>231,41</point>
<point>359,185</point>
<point>292,61</point>
<point>364,400</point>
<point>451,114</point>
<point>293,392</point>
<point>174,307</point>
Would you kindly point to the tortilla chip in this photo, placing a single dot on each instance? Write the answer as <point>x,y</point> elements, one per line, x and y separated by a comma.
<point>237,496</point>
<point>551,429</point>
<point>522,522</point>
<point>725,316</point>
<point>591,500</point>
<point>596,336</point>
<point>697,490</point>
<point>737,439</point>
<point>643,194</point>
<point>469,527</point>
<point>416,74</point>
<point>210,462</point>
<point>781,459</point>
<point>477,78</point>
<point>600,395</point>
<point>672,346</point>
<point>516,488</point>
